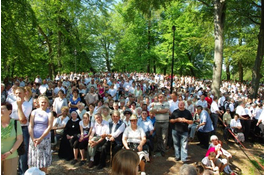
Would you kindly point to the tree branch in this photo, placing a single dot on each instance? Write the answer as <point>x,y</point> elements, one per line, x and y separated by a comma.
<point>205,3</point>
<point>46,38</point>
<point>255,4</point>
<point>255,22</point>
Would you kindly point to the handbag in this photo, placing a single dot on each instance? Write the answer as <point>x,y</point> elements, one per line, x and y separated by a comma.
<point>21,148</point>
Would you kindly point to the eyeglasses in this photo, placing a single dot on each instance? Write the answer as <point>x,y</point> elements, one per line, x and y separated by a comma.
<point>160,97</point>
<point>144,113</point>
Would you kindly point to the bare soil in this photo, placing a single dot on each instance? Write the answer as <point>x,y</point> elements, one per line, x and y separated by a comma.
<point>168,165</point>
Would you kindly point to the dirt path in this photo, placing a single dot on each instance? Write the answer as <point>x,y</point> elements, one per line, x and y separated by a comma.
<point>168,166</point>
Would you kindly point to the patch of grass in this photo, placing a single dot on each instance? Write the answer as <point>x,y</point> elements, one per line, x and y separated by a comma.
<point>256,165</point>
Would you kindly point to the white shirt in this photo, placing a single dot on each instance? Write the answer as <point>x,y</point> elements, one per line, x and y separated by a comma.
<point>235,123</point>
<point>43,88</point>
<point>173,105</point>
<point>58,104</point>
<point>214,107</point>
<point>60,122</point>
<point>26,108</point>
<point>133,136</point>
<point>116,133</point>
<point>231,107</point>
<point>240,110</point>
<point>100,129</point>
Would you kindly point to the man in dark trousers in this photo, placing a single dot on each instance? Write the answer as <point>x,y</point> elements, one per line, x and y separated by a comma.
<point>180,119</point>
<point>114,139</point>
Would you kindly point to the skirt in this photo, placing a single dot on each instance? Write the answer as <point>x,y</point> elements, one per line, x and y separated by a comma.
<point>40,156</point>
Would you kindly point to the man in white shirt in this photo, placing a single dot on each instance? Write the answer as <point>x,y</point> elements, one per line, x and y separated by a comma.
<point>101,128</point>
<point>43,88</point>
<point>114,139</point>
<point>173,104</point>
<point>21,112</point>
<point>215,112</point>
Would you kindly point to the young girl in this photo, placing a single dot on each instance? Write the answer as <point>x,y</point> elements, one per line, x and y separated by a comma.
<point>85,128</point>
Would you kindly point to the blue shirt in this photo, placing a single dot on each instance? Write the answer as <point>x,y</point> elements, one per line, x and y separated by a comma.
<point>147,125</point>
<point>205,117</point>
<point>153,120</point>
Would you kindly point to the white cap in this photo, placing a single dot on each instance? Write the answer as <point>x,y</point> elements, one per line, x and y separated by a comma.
<point>213,137</point>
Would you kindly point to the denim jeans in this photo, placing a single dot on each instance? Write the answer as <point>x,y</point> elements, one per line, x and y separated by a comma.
<point>23,159</point>
<point>193,129</point>
<point>180,142</point>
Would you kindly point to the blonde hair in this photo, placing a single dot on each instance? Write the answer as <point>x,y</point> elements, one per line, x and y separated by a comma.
<point>65,108</point>
<point>28,89</point>
<point>116,112</point>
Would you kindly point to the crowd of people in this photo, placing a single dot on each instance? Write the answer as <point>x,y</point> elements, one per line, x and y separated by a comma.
<point>98,115</point>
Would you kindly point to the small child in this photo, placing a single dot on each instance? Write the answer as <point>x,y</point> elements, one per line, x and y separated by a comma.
<point>211,163</point>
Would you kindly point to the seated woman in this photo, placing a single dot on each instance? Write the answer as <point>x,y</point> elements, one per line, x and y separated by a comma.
<point>134,138</point>
<point>60,122</point>
<point>85,128</point>
<point>70,137</point>
<point>221,153</point>
<point>127,113</point>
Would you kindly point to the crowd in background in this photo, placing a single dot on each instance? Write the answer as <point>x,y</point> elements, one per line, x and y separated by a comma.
<point>100,114</point>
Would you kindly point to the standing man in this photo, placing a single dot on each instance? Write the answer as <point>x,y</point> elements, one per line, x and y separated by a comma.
<point>204,128</point>
<point>91,96</point>
<point>215,112</point>
<point>173,105</point>
<point>21,111</point>
<point>161,110</point>
<point>180,119</point>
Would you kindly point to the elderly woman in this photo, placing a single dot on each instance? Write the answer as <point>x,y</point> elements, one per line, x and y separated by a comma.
<point>134,138</point>
<point>70,137</point>
<point>39,154</point>
<point>60,122</point>
<point>11,138</point>
<point>81,111</point>
<point>127,113</point>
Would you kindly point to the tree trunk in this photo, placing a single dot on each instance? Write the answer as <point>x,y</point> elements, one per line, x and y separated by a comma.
<point>219,20</point>
<point>260,56</point>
